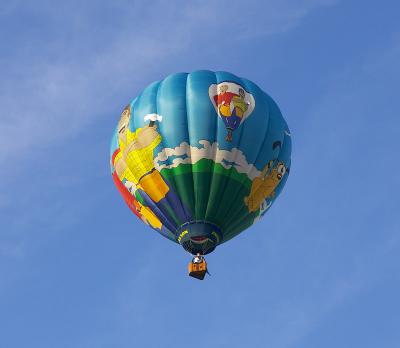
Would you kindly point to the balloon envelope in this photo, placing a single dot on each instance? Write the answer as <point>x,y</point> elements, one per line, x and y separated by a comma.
<point>200,157</point>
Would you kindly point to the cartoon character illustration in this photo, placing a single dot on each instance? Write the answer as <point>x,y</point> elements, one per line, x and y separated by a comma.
<point>232,103</point>
<point>134,163</point>
<point>141,211</point>
<point>240,106</point>
<point>123,125</point>
<point>223,99</point>
<point>149,217</point>
<point>263,187</point>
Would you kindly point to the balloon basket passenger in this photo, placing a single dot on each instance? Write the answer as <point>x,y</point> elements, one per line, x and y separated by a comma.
<point>198,267</point>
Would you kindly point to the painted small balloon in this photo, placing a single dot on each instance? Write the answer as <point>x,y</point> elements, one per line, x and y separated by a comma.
<point>200,157</point>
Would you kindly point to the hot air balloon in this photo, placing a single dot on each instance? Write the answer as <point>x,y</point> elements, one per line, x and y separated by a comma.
<point>200,157</point>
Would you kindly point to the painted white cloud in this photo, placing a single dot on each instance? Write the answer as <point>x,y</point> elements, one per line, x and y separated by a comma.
<point>186,154</point>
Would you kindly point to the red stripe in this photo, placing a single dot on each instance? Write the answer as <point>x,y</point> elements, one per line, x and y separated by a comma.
<point>126,195</point>
<point>116,152</point>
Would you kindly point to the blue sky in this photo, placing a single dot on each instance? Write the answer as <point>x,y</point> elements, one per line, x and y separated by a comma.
<point>322,269</point>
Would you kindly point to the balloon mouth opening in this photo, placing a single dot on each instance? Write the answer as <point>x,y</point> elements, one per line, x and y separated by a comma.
<point>195,248</point>
<point>198,237</point>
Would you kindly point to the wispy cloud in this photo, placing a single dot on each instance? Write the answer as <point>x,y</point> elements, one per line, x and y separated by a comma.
<point>71,68</point>
<point>240,21</point>
<point>65,83</point>
<point>346,126</point>
<point>9,249</point>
